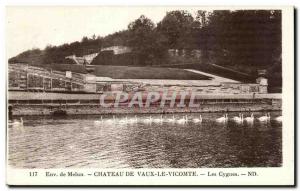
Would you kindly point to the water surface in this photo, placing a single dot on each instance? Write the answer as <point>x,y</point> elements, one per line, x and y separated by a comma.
<point>87,142</point>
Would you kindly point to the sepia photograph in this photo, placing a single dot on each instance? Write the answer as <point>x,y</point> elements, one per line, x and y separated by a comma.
<point>145,88</point>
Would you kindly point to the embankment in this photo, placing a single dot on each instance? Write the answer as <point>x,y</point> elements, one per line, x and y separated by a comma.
<point>29,103</point>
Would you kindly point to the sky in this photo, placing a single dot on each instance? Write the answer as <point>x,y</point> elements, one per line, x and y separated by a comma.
<point>37,27</point>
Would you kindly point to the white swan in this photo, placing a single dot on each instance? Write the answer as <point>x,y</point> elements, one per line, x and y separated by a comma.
<point>198,120</point>
<point>249,119</point>
<point>172,120</point>
<point>17,123</point>
<point>240,119</point>
<point>110,121</point>
<point>265,118</point>
<point>133,120</point>
<point>236,118</point>
<point>148,120</point>
<point>183,120</point>
<point>279,118</point>
<point>158,120</point>
<point>124,120</point>
<point>222,119</point>
<point>97,122</point>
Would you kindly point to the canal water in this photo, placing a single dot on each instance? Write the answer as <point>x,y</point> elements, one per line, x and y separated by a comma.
<point>89,142</point>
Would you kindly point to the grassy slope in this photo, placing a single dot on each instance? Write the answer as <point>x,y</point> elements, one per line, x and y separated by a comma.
<point>125,72</point>
<point>217,71</point>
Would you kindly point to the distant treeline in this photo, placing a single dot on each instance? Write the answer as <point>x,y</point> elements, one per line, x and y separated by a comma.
<point>245,40</point>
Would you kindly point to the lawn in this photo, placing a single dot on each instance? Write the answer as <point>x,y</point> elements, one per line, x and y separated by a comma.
<point>125,72</point>
<point>128,72</point>
<point>226,73</point>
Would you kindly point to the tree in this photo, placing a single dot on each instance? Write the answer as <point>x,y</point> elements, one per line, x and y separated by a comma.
<point>244,37</point>
<point>84,39</point>
<point>177,27</point>
<point>202,18</point>
<point>147,44</point>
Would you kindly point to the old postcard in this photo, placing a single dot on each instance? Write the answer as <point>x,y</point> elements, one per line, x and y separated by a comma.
<point>150,95</point>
